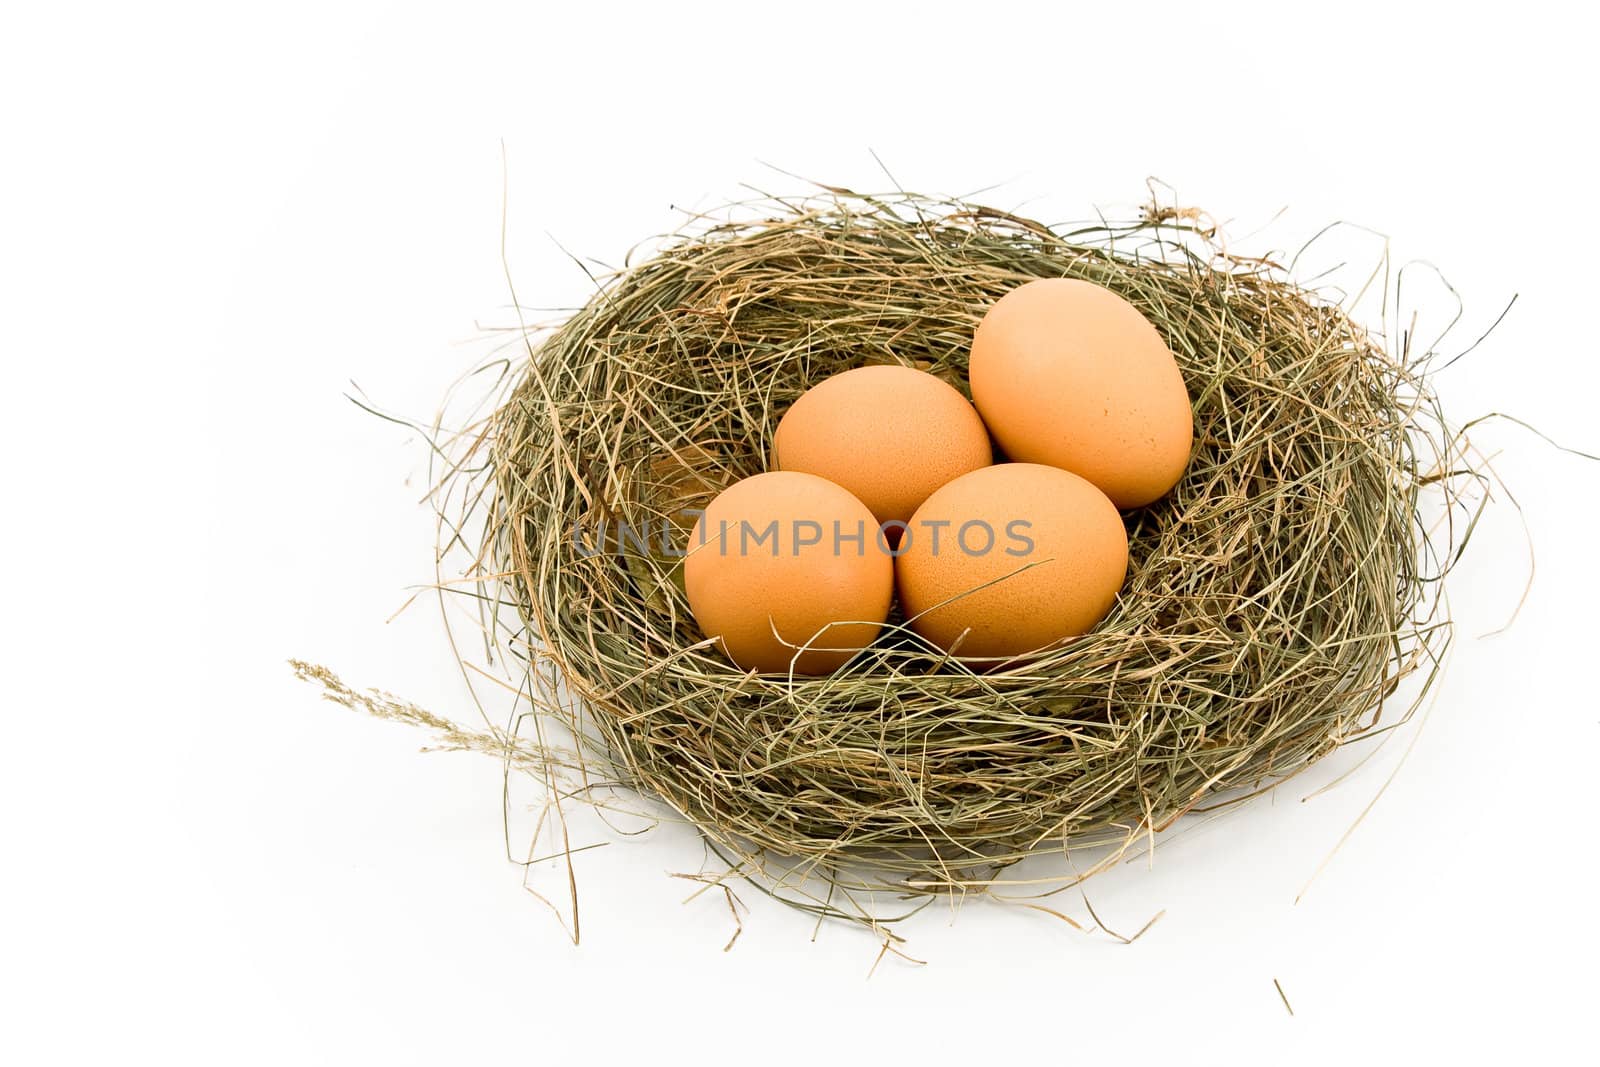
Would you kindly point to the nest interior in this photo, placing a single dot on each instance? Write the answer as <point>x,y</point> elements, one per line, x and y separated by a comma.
<point>1273,599</point>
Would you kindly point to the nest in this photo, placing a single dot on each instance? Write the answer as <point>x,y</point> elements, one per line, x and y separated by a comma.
<point>1274,598</point>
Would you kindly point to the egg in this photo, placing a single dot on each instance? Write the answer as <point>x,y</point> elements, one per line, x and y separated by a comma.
<point>889,434</point>
<point>1010,559</point>
<point>784,560</point>
<point>1070,374</point>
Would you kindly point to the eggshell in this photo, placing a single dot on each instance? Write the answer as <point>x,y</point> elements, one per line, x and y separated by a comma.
<point>1056,552</point>
<point>1070,374</point>
<point>889,434</point>
<point>743,586</point>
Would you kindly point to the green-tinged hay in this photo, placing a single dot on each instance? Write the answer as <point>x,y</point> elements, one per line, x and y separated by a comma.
<point>1274,599</point>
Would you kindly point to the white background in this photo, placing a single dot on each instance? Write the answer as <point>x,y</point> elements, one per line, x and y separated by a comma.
<point>213,220</point>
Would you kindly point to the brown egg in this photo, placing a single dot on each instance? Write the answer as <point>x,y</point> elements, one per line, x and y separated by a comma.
<point>1068,373</point>
<point>784,560</point>
<point>889,434</point>
<point>1052,545</point>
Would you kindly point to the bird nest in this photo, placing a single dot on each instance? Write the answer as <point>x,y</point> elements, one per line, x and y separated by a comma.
<point>1274,599</point>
